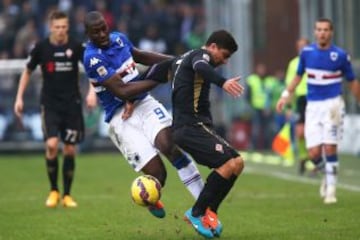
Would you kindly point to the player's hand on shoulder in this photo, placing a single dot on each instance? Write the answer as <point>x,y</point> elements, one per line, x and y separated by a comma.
<point>233,87</point>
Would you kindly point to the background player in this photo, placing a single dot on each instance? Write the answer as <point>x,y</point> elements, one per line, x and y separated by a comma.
<point>300,105</point>
<point>325,64</point>
<point>61,107</point>
<point>193,128</point>
<point>110,64</point>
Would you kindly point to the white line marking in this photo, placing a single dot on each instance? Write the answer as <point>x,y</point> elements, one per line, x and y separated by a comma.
<point>289,177</point>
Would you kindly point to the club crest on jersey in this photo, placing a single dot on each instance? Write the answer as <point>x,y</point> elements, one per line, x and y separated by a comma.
<point>334,56</point>
<point>68,53</point>
<point>102,71</point>
<point>219,148</point>
<point>206,57</point>
<point>118,41</point>
<point>94,61</point>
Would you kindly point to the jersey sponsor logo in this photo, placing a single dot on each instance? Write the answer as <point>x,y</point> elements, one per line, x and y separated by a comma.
<point>206,57</point>
<point>94,61</point>
<point>59,54</point>
<point>219,148</point>
<point>334,56</point>
<point>102,71</point>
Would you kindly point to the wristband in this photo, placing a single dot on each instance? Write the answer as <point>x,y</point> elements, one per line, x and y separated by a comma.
<point>285,94</point>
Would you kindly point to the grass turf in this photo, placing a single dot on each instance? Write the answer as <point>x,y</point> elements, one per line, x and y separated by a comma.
<point>261,205</point>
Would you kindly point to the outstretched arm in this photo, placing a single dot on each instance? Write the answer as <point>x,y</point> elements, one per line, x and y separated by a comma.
<point>126,91</point>
<point>149,58</point>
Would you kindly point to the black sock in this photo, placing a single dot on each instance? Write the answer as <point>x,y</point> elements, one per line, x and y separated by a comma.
<point>68,173</point>
<point>214,205</point>
<point>214,185</point>
<point>52,167</point>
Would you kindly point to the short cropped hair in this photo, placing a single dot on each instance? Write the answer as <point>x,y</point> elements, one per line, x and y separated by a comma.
<point>327,21</point>
<point>223,39</point>
<point>55,15</point>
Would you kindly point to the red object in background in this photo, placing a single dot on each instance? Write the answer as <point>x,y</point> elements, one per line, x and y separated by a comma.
<point>239,134</point>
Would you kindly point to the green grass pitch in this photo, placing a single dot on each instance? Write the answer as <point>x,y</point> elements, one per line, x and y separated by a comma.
<point>267,202</point>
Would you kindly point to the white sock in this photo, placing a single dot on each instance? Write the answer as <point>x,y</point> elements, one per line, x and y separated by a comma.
<point>191,178</point>
<point>331,171</point>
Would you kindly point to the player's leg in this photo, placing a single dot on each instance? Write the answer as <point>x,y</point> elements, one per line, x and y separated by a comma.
<point>186,168</point>
<point>333,129</point>
<point>50,124</point>
<point>72,132</point>
<point>156,126</point>
<point>300,137</point>
<point>331,171</point>
<point>128,136</point>
<point>209,149</point>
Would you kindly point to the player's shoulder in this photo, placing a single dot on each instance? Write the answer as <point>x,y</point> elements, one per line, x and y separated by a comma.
<point>309,48</point>
<point>92,56</point>
<point>339,50</point>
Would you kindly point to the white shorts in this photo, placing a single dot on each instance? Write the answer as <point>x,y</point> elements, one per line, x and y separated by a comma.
<point>324,121</point>
<point>135,137</point>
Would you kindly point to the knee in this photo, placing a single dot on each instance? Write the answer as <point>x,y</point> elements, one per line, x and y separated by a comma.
<point>69,150</point>
<point>51,150</point>
<point>167,148</point>
<point>239,165</point>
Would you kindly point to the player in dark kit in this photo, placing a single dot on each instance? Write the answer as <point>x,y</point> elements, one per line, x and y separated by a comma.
<point>193,129</point>
<point>61,107</point>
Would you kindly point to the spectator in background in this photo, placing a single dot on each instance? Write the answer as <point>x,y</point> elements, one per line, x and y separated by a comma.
<point>299,105</point>
<point>151,41</point>
<point>259,97</point>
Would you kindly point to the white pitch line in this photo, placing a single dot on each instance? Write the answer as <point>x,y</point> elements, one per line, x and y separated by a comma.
<point>289,177</point>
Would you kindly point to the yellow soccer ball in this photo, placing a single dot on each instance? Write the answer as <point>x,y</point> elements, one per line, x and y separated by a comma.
<point>145,190</point>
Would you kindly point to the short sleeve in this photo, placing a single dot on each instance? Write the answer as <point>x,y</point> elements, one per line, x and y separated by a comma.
<point>98,68</point>
<point>35,59</point>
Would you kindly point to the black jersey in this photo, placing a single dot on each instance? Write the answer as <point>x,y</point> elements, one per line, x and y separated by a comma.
<point>191,88</point>
<point>60,70</point>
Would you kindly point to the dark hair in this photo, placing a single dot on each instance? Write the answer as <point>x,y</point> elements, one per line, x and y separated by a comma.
<point>326,20</point>
<point>92,17</point>
<point>57,15</point>
<point>223,39</point>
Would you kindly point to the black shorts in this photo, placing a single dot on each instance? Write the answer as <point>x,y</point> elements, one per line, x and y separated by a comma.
<point>66,123</point>
<point>300,108</point>
<point>204,145</point>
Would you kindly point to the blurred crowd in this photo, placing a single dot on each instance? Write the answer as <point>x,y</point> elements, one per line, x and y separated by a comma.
<point>169,26</point>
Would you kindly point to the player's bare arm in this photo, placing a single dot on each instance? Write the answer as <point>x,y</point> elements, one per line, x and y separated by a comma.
<point>287,93</point>
<point>91,99</point>
<point>23,83</point>
<point>126,91</point>
<point>148,58</point>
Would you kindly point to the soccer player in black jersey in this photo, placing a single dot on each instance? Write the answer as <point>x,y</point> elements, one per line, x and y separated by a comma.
<point>61,107</point>
<point>193,130</point>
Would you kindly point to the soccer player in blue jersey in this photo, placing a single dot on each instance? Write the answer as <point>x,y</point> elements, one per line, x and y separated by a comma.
<point>109,61</point>
<point>325,64</point>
